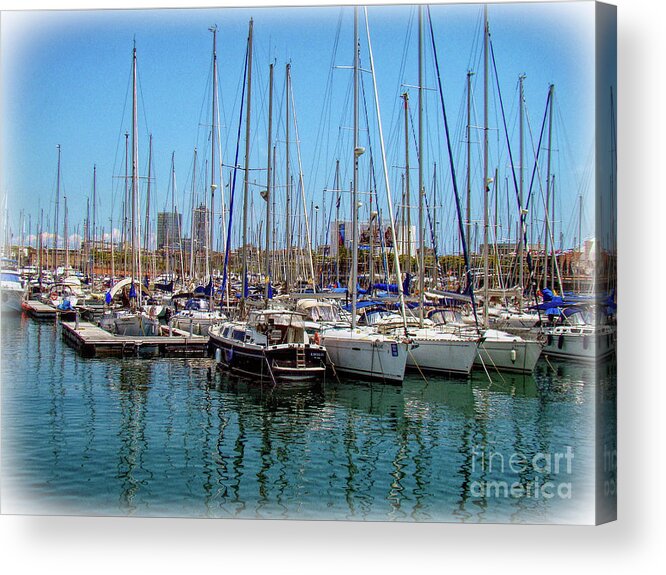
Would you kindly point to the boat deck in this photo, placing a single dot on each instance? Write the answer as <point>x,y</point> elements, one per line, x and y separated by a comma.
<point>92,341</point>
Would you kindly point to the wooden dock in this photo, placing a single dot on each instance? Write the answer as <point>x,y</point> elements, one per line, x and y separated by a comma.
<point>38,310</point>
<point>92,341</point>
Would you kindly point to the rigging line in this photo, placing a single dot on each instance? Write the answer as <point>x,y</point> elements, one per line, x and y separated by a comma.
<point>468,271</point>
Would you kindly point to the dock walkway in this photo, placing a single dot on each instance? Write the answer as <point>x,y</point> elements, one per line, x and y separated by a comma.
<point>38,310</point>
<point>92,341</point>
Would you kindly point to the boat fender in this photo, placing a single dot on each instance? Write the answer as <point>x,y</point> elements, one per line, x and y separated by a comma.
<point>549,339</point>
<point>513,355</point>
<point>316,338</point>
<point>586,342</point>
<point>560,341</point>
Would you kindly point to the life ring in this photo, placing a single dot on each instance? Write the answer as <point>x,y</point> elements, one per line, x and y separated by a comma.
<point>54,296</point>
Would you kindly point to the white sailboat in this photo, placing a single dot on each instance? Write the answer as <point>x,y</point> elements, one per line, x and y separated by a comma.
<point>360,350</point>
<point>200,314</point>
<point>11,287</point>
<point>498,349</point>
<point>132,321</point>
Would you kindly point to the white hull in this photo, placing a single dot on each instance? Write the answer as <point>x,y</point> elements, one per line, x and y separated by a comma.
<point>196,323</point>
<point>131,324</point>
<point>366,354</point>
<point>439,352</point>
<point>581,343</point>
<point>504,352</point>
<point>11,299</point>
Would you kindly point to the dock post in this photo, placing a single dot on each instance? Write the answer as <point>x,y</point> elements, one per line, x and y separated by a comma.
<point>76,320</point>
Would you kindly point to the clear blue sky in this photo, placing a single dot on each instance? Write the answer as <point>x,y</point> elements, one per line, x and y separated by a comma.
<point>66,80</point>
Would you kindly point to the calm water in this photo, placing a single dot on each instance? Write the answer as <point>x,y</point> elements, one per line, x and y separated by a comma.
<point>173,437</point>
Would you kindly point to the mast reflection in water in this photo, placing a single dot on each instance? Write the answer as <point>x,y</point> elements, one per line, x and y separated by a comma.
<point>170,437</point>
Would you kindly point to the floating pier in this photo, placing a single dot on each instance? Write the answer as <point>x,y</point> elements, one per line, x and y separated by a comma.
<point>38,310</point>
<point>90,340</point>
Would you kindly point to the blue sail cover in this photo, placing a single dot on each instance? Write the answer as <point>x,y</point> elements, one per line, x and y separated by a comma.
<point>132,292</point>
<point>108,298</point>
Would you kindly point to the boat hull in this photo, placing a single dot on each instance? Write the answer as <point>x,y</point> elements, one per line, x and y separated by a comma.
<point>587,344</point>
<point>11,300</point>
<point>367,357</point>
<point>442,355</point>
<point>508,354</point>
<point>278,364</point>
<point>196,324</point>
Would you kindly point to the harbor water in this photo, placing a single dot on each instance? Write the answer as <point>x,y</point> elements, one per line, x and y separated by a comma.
<point>175,437</point>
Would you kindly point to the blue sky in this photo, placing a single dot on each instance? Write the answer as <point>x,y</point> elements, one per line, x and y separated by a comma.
<point>66,80</point>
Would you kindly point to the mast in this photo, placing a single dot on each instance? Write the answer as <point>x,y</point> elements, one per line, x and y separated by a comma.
<point>269,192</point>
<point>421,187</point>
<point>94,218</point>
<point>171,227</point>
<point>213,185</point>
<point>357,152</point>
<point>40,263</point>
<point>396,255</point>
<point>66,238</point>
<point>486,187</point>
<point>146,236</point>
<point>288,181</point>
<point>135,177</point>
<point>123,239</point>
<point>193,212</point>
<point>247,162</point>
<point>57,215</point>
<point>337,222</point>
<point>521,131</point>
<point>272,197</point>
<point>407,202</point>
<point>550,134</point>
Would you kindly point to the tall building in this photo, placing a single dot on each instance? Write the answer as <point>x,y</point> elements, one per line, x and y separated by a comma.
<point>199,229</point>
<point>169,229</point>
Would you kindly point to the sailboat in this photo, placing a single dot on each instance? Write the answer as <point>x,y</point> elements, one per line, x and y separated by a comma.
<point>200,313</point>
<point>132,321</point>
<point>438,349</point>
<point>361,350</point>
<point>272,344</point>
<point>498,349</point>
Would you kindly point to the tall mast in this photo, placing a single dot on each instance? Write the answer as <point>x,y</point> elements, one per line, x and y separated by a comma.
<point>57,215</point>
<point>213,185</point>
<point>337,222</point>
<point>486,187</point>
<point>146,232</point>
<point>94,217</point>
<point>407,202</point>
<point>468,231</point>
<point>135,176</point>
<point>269,192</point>
<point>246,191</point>
<point>273,196</point>
<point>66,237</point>
<point>421,187</point>
<point>123,237</point>
<point>193,227</point>
<point>550,134</point>
<point>40,263</point>
<point>357,153</point>
<point>521,129</point>
<point>288,181</point>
